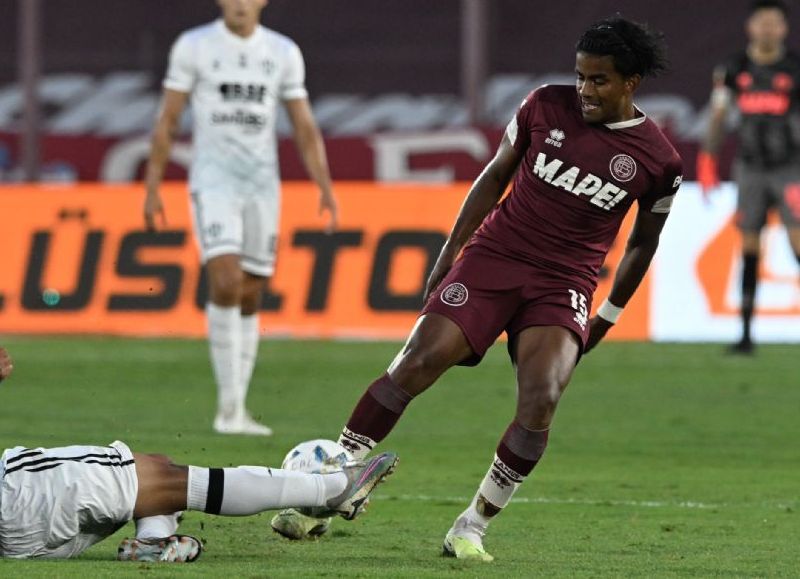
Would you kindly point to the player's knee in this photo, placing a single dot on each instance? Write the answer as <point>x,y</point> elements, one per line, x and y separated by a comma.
<point>424,362</point>
<point>251,301</point>
<point>538,400</point>
<point>226,288</point>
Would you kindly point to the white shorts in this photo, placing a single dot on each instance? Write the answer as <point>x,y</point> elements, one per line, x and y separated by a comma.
<point>58,502</point>
<point>243,223</point>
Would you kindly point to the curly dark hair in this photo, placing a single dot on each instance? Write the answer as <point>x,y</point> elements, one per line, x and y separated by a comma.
<point>634,47</point>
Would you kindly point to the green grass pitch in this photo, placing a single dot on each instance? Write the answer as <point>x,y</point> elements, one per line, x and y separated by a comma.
<point>664,460</point>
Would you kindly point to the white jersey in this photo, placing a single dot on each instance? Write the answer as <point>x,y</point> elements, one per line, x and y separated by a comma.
<point>235,84</point>
<point>58,502</point>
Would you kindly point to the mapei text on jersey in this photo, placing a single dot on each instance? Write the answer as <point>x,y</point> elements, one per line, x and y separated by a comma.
<point>603,194</point>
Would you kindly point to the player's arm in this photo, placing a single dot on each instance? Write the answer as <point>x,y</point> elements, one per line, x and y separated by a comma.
<point>639,252</point>
<point>6,364</point>
<point>172,104</point>
<point>482,197</point>
<point>309,142</point>
<point>721,97</point>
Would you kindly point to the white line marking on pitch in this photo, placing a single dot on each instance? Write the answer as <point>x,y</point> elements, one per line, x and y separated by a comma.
<point>594,502</point>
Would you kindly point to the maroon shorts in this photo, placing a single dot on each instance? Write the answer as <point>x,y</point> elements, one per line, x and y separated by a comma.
<point>486,293</point>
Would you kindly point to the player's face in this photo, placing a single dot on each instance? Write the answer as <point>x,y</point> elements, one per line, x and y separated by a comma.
<point>605,95</point>
<point>241,15</point>
<point>767,28</point>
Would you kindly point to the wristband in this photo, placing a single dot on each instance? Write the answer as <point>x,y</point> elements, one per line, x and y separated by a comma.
<point>609,312</point>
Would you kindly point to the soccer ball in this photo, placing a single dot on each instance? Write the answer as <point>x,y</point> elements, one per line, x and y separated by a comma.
<point>317,457</point>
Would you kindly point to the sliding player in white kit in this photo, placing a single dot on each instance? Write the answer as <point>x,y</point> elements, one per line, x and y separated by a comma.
<point>235,71</point>
<point>57,502</point>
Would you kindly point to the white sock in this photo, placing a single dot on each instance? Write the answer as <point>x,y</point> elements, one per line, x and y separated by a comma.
<point>225,343</point>
<point>358,445</point>
<point>497,488</point>
<point>157,527</point>
<point>247,490</point>
<point>250,341</point>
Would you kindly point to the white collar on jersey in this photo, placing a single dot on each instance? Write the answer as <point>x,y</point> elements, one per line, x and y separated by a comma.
<point>235,37</point>
<point>637,120</point>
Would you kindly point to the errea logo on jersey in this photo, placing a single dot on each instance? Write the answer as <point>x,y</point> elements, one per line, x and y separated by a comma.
<point>555,138</point>
<point>603,194</point>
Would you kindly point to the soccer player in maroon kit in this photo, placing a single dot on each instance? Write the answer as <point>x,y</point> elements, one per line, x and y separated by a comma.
<point>528,264</point>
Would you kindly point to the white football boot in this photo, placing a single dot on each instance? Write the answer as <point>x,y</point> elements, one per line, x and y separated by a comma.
<point>294,525</point>
<point>237,423</point>
<point>172,549</point>
<point>464,540</point>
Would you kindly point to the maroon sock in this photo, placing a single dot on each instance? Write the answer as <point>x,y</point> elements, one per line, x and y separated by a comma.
<point>520,449</point>
<point>374,416</point>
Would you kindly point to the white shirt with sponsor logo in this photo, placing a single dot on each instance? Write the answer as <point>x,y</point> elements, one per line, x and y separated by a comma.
<point>235,84</point>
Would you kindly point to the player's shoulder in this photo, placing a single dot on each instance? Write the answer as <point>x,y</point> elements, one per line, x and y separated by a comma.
<point>555,93</point>
<point>662,149</point>
<point>200,33</point>
<point>277,40</point>
<point>550,96</point>
<point>792,59</point>
<point>735,62</point>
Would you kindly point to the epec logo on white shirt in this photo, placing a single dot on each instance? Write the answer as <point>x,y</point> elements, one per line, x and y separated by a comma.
<point>235,85</point>
<point>603,194</point>
<point>556,137</point>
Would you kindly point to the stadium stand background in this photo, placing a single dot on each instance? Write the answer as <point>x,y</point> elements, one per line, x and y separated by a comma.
<point>391,65</point>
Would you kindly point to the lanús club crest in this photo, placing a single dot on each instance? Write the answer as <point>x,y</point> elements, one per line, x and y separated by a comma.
<point>622,167</point>
<point>455,294</point>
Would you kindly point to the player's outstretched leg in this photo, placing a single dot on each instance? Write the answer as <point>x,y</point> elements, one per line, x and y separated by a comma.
<point>436,343</point>
<point>166,488</point>
<point>374,416</point>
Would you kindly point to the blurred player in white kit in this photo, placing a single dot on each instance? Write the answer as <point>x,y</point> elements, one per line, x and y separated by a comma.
<point>234,71</point>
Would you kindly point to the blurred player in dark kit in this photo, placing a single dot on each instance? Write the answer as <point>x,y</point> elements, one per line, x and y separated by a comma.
<point>579,156</point>
<point>763,82</point>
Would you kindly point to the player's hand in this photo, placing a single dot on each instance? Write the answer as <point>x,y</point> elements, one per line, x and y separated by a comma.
<point>153,207</point>
<point>6,364</point>
<point>598,328</point>
<point>439,271</point>
<point>707,172</point>
<point>327,202</point>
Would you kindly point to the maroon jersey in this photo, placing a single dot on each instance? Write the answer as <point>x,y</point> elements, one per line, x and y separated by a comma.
<point>575,184</point>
